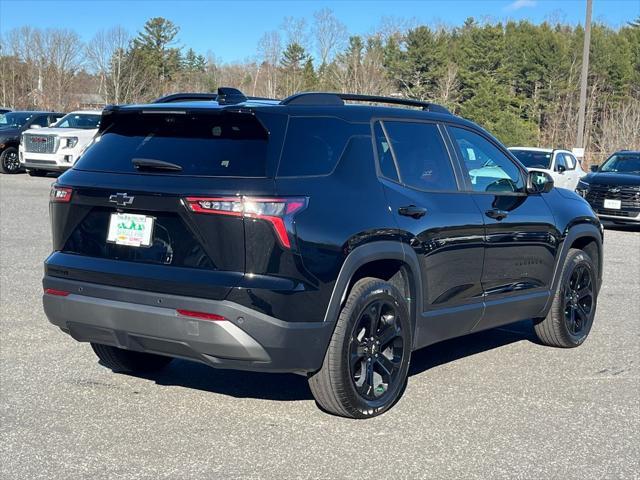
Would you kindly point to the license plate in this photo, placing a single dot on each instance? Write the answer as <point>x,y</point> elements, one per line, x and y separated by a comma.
<point>130,229</point>
<point>614,204</point>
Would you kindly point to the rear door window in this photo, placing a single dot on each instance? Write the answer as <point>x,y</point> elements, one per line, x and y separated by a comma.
<point>313,146</point>
<point>222,144</point>
<point>421,156</point>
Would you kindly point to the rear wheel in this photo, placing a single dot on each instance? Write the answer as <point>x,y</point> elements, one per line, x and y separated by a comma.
<point>37,173</point>
<point>364,372</point>
<point>9,162</point>
<point>574,306</point>
<point>120,360</point>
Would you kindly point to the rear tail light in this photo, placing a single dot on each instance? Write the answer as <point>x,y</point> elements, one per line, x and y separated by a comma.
<point>277,211</point>
<point>60,194</point>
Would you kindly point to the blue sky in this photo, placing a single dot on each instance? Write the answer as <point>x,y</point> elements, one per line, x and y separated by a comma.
<point>231,29</point>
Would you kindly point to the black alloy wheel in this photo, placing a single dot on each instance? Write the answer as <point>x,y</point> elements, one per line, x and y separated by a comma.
<point>572,312</point>
<point>377,350</point>
<point>364,372</point>
<point>578,300</point>
<point>9,161</point>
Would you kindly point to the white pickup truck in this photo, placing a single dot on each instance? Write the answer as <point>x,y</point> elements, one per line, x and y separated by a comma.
<point>58,147</point>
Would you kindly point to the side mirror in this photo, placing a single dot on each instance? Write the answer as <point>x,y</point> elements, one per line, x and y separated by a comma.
<point>561,168</point>
<point>594,168</point>
<point>35,125</point>
<point>539,182</point>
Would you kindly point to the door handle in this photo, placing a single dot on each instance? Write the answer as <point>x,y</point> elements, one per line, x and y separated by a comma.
<point>497,214</point>
<point>412,211</point>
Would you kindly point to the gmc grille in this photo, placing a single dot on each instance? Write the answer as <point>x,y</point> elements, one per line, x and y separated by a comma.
<point>40,143</point>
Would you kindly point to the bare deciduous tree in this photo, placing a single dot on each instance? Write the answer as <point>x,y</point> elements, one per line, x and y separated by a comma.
<point>107,55</point>
<point>330,34</point>
<point>270,51</point>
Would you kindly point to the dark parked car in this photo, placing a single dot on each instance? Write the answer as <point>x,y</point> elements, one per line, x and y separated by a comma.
<point>613,188</point>
<point>312,236</point>
<point>12,124</point>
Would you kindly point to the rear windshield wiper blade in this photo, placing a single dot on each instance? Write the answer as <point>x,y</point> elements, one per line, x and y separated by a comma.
<point>152,164</point>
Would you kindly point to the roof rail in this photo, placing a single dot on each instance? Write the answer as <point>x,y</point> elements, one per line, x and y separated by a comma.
<point>334,99</point>
<point>224,96</point>
<point>186,97</point>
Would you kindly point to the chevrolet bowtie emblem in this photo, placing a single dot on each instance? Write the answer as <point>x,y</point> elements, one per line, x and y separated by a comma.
<point>121,199</point>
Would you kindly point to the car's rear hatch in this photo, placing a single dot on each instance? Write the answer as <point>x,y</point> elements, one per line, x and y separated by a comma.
<point>146,172</point>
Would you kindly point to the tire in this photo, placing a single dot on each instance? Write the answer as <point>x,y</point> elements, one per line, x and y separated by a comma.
<point>37,173</point>
<point>9,162</point>
<point>570,318</point>
<point>352,358</point>
<point>129,361</point>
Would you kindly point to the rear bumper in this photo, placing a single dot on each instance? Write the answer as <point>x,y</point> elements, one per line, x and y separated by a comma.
<point>148,322</point>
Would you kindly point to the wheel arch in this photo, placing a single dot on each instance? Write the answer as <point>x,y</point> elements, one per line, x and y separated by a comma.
<point>389,260</point>
<point>585,236</point>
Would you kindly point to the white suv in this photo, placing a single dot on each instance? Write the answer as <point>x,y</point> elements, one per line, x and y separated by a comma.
<point>58,147</point>
<point>560,164</point>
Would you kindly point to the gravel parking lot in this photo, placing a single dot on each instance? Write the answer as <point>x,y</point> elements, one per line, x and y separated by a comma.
<point>492,405</point>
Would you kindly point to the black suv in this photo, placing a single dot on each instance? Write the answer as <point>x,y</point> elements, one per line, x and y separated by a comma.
<point>313,236</point>
<point>613,188</point>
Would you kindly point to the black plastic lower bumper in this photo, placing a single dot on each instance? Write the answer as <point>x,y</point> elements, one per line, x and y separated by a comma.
<point>149,322</point>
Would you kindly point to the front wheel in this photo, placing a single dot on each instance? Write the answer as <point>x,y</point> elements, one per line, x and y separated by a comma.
<point>364,372</point>
<point>9,162</point>
<point>569,321</point>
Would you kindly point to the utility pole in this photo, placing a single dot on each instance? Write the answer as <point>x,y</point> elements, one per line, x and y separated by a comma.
<point>583,78</point>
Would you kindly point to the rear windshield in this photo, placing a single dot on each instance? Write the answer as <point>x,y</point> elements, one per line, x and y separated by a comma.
<point>221,144</point>
<point>533,159</point>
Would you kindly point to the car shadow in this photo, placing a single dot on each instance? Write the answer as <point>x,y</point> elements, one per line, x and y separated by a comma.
<point>291,387</point>
<point>620,227</point>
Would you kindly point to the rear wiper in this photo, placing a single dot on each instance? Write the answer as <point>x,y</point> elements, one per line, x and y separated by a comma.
<point>152,164</point>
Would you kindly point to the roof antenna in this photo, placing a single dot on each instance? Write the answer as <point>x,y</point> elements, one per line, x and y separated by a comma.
<point>229,96</point>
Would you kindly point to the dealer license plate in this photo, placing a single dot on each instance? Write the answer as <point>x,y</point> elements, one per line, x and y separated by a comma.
<point>130,229</point>
<point>613,204</point>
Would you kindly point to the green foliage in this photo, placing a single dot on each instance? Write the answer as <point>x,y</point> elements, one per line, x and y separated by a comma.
<point>309,77</point>
<point>518,80</point>
<point>293,57</point>
<point>193,62</point>
<point>154,46</point>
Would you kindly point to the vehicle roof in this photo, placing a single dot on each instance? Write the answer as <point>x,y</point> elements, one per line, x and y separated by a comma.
<point>544,150</point>
<point>36,111</point>
<point>623,152</point>
<point>88,112</point>
<point>349,111</point>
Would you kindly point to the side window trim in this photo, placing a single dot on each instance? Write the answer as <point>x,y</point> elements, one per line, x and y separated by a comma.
<point>459,179</point>
<point>459,158</point>
<point>393,154</point>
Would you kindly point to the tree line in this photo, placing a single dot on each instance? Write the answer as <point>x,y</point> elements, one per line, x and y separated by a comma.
<point>517,79</point>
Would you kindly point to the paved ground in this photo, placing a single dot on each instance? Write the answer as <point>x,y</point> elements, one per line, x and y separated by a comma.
<point>493,405</point>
